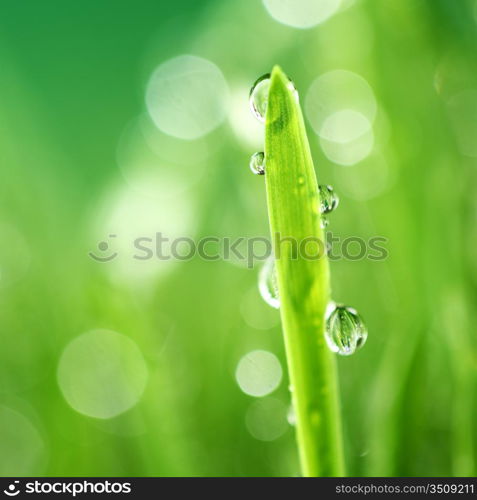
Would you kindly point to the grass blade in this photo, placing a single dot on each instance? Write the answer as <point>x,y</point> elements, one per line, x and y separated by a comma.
<point>293,205</point>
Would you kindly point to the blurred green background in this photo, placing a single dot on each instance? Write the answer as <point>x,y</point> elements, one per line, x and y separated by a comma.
<point>131,118</point>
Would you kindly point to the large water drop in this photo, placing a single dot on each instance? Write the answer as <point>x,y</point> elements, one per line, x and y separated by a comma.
<point>259,96</point>
<point>268,284</point>
<point>257,163</point>
<point>345,330</point>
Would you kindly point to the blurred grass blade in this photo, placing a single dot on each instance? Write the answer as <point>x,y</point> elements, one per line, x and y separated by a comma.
<point>293,204</point>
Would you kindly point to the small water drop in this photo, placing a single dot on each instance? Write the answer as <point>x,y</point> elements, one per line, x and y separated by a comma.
<point>268,284</point>
<point>291,416</point>
<point>328,199</point>
<point>345,330</point>
<point>324,222</point>
<point>257,163</point>
<point>259,96</point>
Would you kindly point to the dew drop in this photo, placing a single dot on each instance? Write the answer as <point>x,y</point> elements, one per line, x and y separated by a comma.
<point>267,283</point>
<point>328,199</point>
<point>291,416</point>
<point>257,163</point>
<point>345,330</point>
<point>259,96</point>
<point>324,222</point>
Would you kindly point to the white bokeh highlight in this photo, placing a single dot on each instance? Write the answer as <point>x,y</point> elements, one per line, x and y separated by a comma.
<point>258,373</point>
<point>302,14</point>
<point>341,108</point>
<point>187,97</point>
<point>335,91</point>
<point>266,419</point>
<point>21,445</point>
<point>346,137</point>
<point>102,374</point>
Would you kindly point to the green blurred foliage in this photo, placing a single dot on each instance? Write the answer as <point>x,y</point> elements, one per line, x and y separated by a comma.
<point>73,77</point>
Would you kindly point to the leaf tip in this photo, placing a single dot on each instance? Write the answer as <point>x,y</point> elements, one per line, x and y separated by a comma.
<point>278,75</point>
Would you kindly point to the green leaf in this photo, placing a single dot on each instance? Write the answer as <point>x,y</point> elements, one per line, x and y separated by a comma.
<point>303,281</point>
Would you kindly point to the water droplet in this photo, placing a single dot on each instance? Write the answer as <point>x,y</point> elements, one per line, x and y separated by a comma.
<point>345,330</point>
<point>257,163</point>
<point>259,96</point>
<point>324,222</point>
<point>268,284</point>
<point>291,416</point>
<point>328,199</point>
